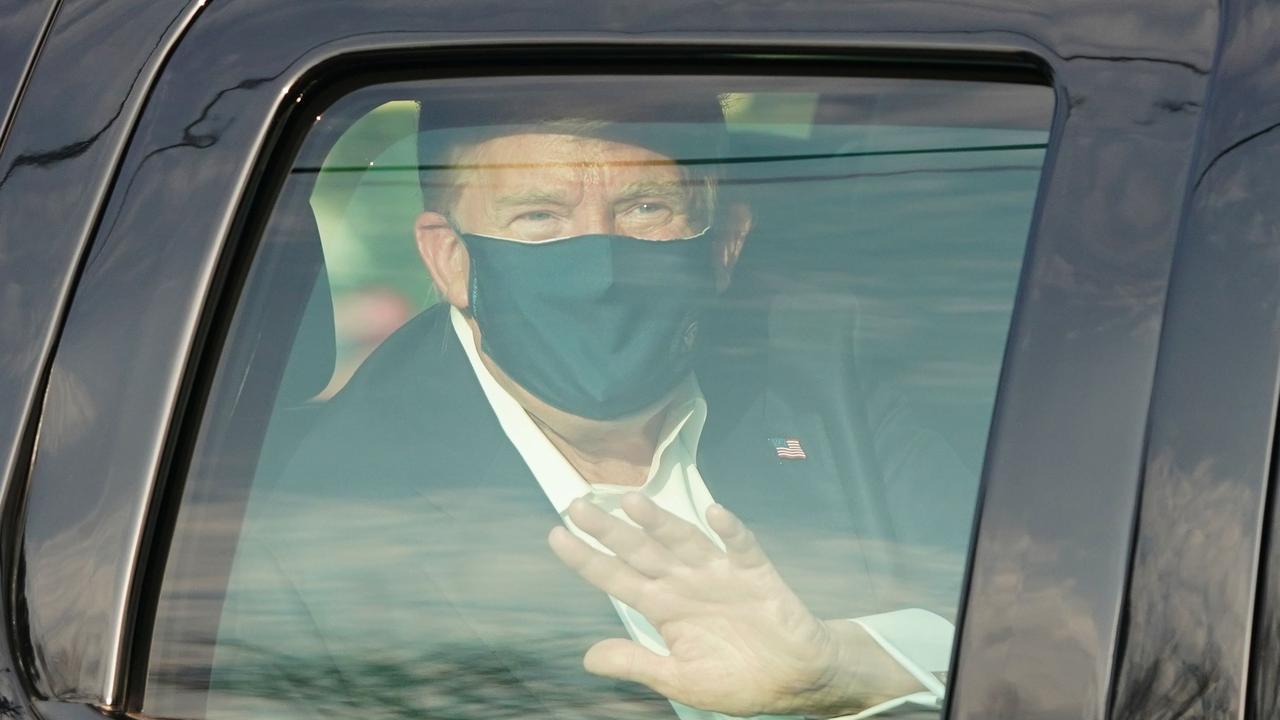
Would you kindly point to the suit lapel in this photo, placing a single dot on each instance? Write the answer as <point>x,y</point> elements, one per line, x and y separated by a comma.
<point>488,556</point>
<point>822,519</point>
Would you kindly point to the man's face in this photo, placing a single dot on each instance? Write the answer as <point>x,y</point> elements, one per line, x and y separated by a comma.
<point>542,186</point>
<point>533,186</point>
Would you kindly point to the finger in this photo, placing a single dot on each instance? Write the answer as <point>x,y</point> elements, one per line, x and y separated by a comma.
<point>685,541</point>
<point>739,541</point>
<point>628,660</point>
<point>631,544</point>
<point>603,571</point>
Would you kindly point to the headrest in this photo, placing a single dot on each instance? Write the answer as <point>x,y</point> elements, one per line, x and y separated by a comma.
<point>293,239</point>
<point>312,359</point>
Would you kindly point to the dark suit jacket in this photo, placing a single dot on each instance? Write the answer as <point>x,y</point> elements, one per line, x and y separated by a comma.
<point>400,567</point>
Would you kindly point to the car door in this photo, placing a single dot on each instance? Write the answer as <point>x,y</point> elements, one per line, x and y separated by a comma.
<point>133,391</point>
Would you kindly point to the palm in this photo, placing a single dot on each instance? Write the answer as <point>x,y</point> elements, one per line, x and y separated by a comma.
<point>740,641</point>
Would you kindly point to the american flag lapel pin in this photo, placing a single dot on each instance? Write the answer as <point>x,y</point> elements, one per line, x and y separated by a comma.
<point>788,448</point>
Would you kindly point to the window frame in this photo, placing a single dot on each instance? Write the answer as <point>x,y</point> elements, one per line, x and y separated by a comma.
<point>304,144</point>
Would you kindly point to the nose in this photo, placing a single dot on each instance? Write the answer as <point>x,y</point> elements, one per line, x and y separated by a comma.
<point>594,216</point>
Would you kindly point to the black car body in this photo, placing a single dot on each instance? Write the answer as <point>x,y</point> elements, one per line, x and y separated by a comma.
<point>1122,566</point>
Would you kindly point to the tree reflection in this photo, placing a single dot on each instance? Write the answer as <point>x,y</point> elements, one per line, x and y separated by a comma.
<point>1264,682</point>
<point>451,681</point>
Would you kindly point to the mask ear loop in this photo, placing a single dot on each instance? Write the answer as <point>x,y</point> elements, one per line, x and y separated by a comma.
<point>473,294</point>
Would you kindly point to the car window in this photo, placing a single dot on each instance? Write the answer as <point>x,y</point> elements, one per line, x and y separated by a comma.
<point>605,397</point>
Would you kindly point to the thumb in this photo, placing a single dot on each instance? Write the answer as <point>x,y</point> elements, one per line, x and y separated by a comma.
<point>628,660</point>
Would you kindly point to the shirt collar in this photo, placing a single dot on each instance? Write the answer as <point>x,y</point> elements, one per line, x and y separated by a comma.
<point>559,479</point>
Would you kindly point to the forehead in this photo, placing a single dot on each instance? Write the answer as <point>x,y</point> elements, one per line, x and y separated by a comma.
<point>515,161</point>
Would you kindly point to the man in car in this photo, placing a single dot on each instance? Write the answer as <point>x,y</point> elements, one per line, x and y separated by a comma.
<point>554,389</point>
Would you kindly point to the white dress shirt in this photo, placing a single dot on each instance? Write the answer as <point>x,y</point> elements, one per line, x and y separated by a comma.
<point>674,484</point>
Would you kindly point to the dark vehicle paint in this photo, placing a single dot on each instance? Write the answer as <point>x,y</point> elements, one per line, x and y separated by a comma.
<point>1237,248</point>
<point>22,26</point>
<point>1080,273</point>
<point>1191,602</point>
<point>1044,615</point>
<point>94,67</point>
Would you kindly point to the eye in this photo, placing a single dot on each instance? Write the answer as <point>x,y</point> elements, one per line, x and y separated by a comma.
<point>648,211</point>
<point>536,216</point>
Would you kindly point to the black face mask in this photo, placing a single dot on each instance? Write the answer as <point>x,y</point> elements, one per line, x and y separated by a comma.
<point>600,326</point>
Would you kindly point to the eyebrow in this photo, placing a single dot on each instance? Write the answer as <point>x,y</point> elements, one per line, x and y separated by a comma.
<point>669,190</point>
<point>532,197</point>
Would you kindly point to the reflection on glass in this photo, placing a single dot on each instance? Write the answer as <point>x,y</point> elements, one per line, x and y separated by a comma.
<point>652,398</point>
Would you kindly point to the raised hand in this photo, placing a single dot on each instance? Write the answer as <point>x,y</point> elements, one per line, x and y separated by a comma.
<point>740,641</point>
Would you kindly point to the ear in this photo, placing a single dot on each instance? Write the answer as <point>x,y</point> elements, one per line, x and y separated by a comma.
<point>729,241</point>
<point>445,257</point>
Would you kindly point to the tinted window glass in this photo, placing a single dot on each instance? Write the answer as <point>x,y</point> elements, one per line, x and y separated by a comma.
<point>605,397</point>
